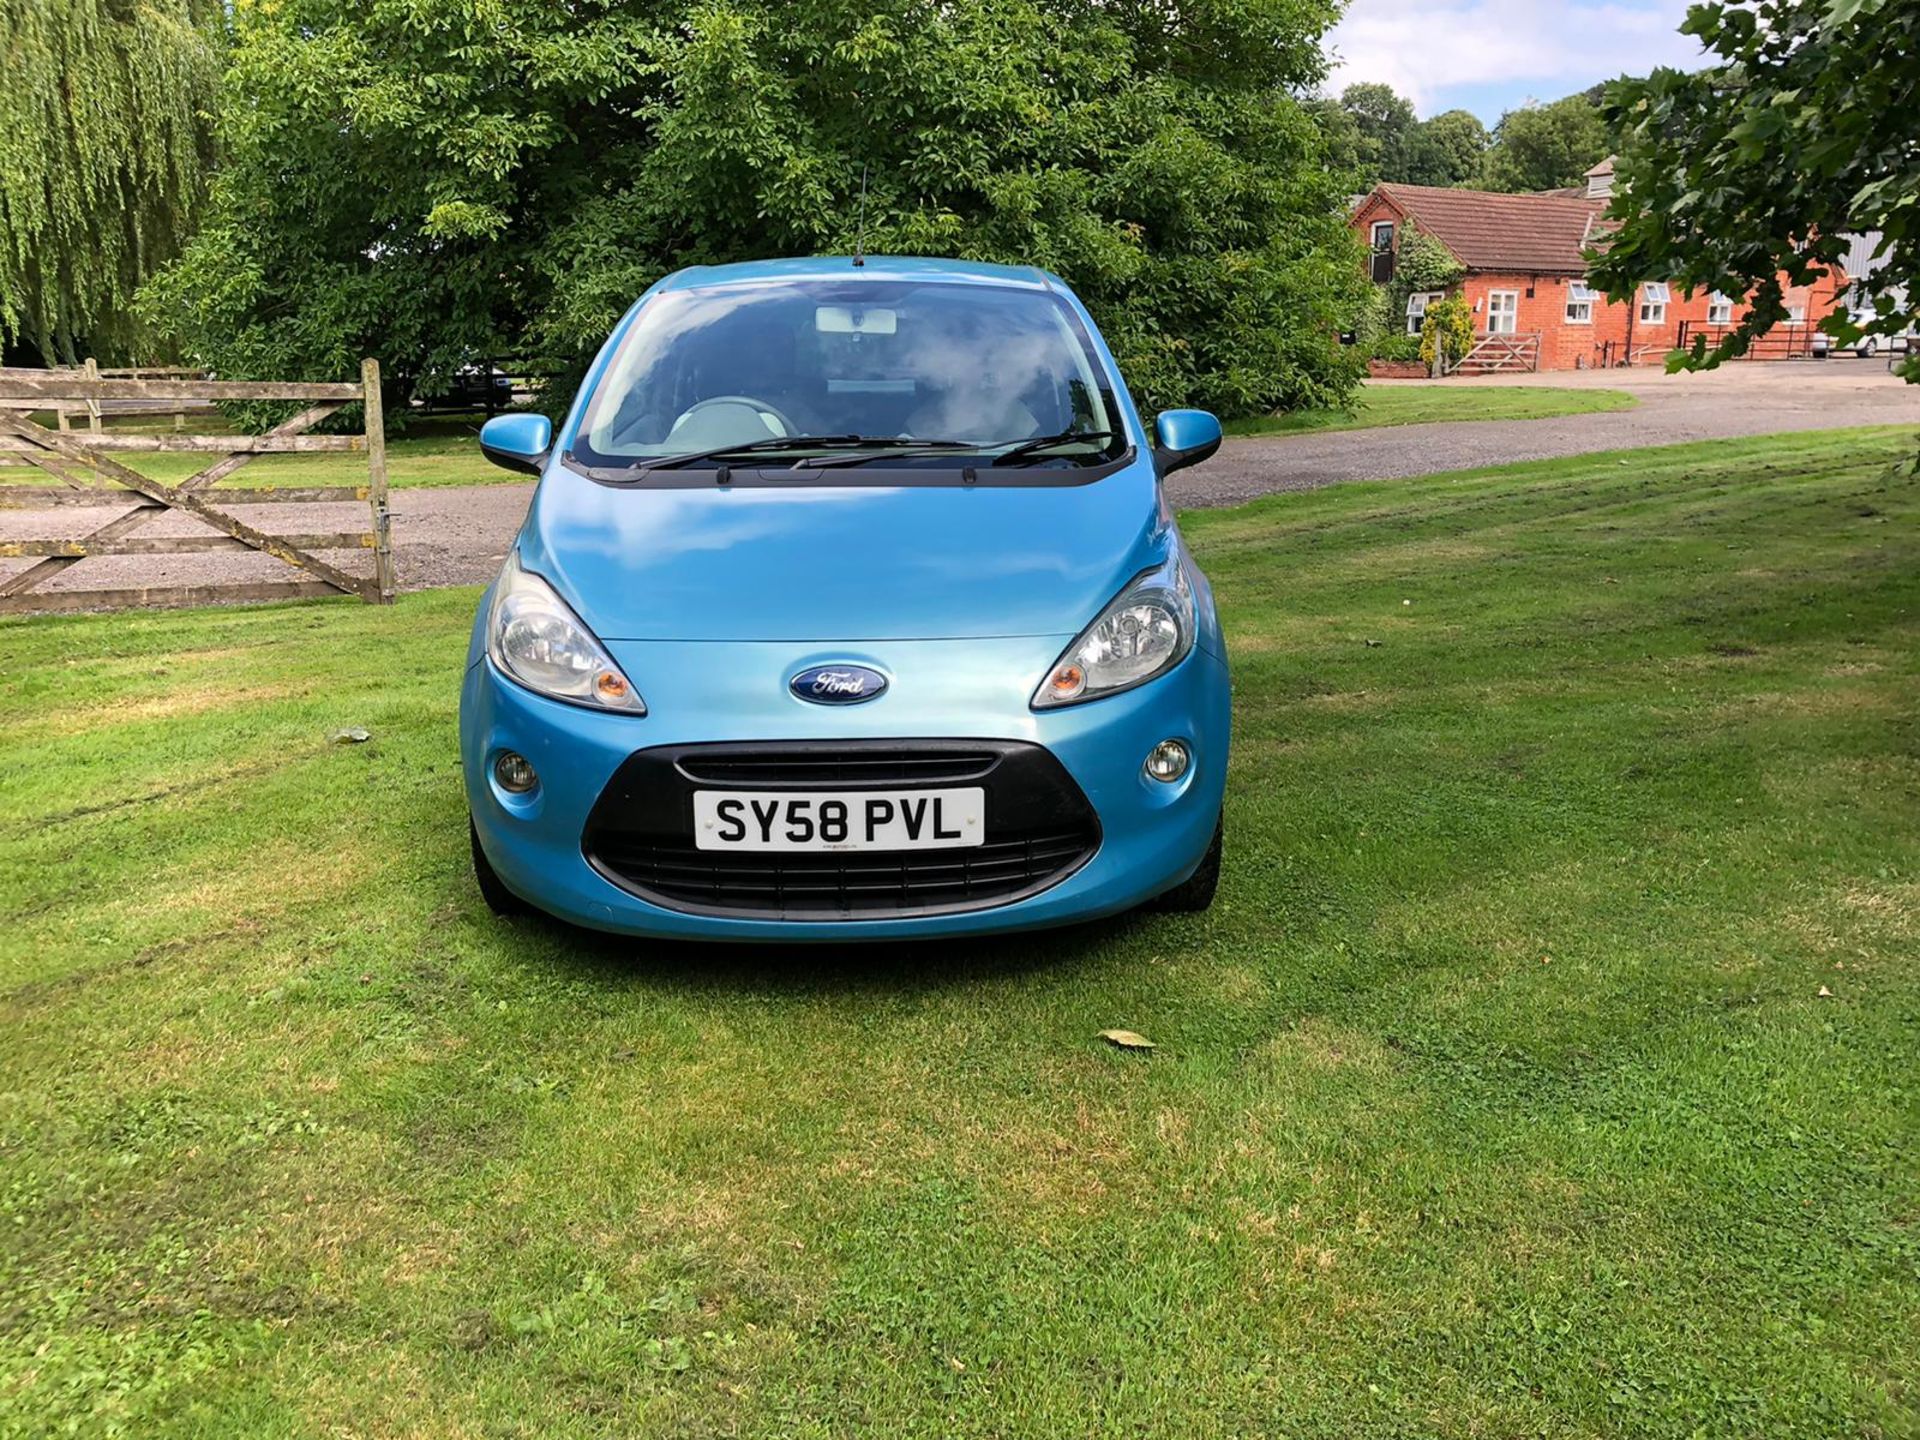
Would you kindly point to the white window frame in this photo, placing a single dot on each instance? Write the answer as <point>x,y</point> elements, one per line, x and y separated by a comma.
<point>1417,304</point>
<point>1796,314</point>
<point>1510,315</point>
<point>1374,234</point>
<point>1580,302</point>
<point>1719,309</point>
<point>1655,296</point>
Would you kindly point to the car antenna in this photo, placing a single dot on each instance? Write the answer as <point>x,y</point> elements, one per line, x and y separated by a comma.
<point>860,235</point>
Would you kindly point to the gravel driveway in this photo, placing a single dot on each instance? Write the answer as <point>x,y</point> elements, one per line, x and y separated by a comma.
<point>458,536</point>
<point>1751,399</point>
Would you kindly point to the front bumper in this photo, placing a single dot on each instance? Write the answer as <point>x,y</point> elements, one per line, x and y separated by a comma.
<point>1150,836</point>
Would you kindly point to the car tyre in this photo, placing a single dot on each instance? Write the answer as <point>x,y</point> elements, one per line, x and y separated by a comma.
<point>1868,349</point>
<point>1195,893</point>
<point>500,900</point>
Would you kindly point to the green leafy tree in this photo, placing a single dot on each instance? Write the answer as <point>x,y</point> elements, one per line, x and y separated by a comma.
<point>431,180</point>
<point>1346,151</point>
<point>1449,149</point>
<point>104,145</point>
<point>1546,147</point>
<point>1371,134</point>
<point>1384,125</point>
<point>1804,129</point>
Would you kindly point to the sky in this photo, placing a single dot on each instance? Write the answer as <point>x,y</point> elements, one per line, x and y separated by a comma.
<point>1490,56</point>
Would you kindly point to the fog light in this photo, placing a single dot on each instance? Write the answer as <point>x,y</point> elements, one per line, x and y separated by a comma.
<point>1168,761</point>
<point>515,772</point>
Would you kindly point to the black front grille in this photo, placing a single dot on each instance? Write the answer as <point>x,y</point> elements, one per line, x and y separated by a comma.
<point>834,767</point>
<point>1040,829</point>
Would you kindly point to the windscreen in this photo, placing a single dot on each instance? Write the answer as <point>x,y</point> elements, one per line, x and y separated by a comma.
<point>950,370</point>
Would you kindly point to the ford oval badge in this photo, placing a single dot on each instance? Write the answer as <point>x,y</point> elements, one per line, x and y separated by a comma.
<point>838,684</point>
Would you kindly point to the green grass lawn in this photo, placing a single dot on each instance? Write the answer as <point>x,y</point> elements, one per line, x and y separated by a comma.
<point>1378,405</point>
<point>439,450</point>
<point>1549,1067</point>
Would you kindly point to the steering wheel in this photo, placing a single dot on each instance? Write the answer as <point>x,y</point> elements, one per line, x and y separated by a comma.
<point>760,410</point>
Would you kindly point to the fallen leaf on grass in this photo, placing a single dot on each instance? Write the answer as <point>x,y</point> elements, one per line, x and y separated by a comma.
<point>352,735</point>
<point>1126,1039</point>
<point>1825,994</point>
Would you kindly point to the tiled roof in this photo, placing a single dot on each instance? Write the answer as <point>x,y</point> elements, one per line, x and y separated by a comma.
<point>1530,233</point>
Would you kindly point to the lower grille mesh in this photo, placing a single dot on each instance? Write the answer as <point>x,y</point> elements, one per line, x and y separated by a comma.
<point>845,884</point>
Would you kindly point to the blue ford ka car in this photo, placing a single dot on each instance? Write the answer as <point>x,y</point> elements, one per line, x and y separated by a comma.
<point>849,605</point>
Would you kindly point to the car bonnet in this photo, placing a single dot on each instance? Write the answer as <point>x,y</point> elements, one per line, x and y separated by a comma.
<point>821,561</point>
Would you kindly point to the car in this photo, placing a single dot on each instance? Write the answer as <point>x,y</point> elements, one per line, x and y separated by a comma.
<point>1867,347</point>
<point>477,387</point>
<point>849,605</point>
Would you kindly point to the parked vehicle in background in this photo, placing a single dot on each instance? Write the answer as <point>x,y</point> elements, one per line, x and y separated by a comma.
<point>478,387</point>
<point>848,606</point>
<point>1866,347</point>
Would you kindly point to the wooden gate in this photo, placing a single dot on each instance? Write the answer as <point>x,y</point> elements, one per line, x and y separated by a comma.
<point>1497,354</point>
<point>90,477</point>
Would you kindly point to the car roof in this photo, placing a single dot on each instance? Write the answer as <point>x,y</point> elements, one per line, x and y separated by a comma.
<point>872,267</point>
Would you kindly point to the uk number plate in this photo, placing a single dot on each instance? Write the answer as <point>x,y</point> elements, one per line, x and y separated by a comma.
<point>839,819</point>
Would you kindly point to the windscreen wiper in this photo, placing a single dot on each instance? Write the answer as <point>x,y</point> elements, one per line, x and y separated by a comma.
<point>884,450</point>
<point>752,447</point>
<point>1029,448</point>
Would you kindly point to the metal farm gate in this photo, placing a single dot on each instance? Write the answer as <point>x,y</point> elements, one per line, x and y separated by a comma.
<point>92,479</point>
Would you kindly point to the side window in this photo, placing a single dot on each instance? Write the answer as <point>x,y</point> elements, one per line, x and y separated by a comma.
<point>1383,235</point>
<point>1579,303</point>
<point>1719,309</point>
<point>1417,309</point>
<point>1654,298</point>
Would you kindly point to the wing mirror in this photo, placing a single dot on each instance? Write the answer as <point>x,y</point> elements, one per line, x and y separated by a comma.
<point>1186,437</point>
<point>517,442</point>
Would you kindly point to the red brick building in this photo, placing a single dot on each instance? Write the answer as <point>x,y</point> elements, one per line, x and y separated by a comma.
<point>1526,280</point>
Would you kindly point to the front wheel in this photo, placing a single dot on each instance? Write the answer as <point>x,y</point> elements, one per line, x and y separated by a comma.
<point>500,900</point>
<point>1195,893</point>
<point>1868,349</point>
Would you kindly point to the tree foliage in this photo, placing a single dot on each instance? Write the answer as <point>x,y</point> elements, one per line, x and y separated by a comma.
<point>1449,149</point>
<point>104,145</point>
<point>1372,135</point>
<point>1382,125</point>
<point>1546,147</point>
<point>431,180</point>
<point>1805,128</point>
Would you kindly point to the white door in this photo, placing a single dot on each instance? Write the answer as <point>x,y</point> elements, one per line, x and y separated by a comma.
<point>1503,312</point>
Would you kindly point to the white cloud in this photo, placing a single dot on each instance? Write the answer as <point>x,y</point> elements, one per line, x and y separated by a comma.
<point>1546,48</point>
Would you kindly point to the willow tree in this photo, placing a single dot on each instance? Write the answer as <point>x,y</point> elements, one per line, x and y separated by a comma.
<point>104,148</point>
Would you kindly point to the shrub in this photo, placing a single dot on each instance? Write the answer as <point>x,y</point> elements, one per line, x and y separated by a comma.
<point>1449,332</point>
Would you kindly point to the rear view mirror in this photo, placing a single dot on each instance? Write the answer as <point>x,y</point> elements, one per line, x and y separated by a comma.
<point>854,320</point>
<point>517,442</point>
<point>1186,437</point>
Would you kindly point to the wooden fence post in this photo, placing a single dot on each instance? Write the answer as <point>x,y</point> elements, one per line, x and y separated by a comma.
<point>377,480</point>
<point>93,406</point>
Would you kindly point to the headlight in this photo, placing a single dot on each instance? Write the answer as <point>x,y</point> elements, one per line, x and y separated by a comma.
<point>534,638</point>
<point>1146,631</point>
